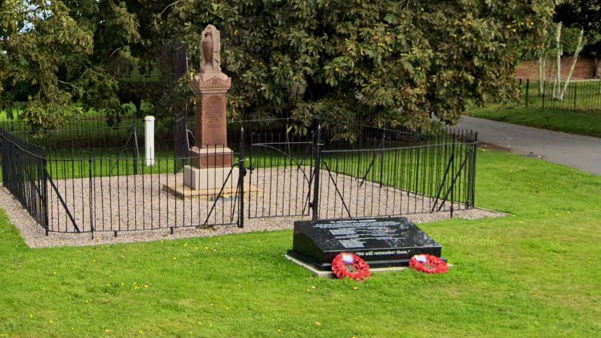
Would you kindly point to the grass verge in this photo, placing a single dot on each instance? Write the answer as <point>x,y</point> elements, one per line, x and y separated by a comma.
<point>567,121</point>
<point>535,274</point>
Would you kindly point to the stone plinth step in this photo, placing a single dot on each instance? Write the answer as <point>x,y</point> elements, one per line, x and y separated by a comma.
<point>182,191</point>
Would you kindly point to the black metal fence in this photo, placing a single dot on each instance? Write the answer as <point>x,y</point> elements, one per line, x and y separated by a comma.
<point>24,175</point>
<point>578,95</point>
<point>384,172</point>
<point>278,168</point>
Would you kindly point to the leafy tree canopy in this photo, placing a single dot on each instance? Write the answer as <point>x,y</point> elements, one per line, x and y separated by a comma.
<point>345,61</point>
<point>586,15</point>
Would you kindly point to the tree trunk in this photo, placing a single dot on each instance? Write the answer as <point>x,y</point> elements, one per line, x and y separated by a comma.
<point>557,84</point>
<point>579,47</point>
<point>542,73</point>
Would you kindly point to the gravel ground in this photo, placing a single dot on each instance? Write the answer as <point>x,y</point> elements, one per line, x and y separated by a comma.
<point>139,202</point>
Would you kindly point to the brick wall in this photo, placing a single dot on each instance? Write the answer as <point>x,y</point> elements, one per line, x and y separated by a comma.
<point>585,68</point>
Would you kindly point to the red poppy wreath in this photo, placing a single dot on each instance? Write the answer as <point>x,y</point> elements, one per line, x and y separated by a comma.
<point>349,265</point>
<point>428,264</point>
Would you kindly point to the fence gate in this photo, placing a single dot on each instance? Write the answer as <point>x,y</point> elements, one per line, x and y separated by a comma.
<point>282,167</point>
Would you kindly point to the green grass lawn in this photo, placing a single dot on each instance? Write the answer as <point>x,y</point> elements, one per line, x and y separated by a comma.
<point>535,274</point>
<point>578,113</point>
<point>568,121</point>
<point>580,95</point>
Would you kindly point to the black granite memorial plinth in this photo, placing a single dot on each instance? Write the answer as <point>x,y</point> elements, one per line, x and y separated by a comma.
<point>381,242</point>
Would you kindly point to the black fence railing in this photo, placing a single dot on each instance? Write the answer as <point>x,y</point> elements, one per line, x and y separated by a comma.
<point>390,180</point>
<point>577,95</point>
<point>24,169</point>
<point>113,193</point>
<point>278,168</point>
<point>384,172</point>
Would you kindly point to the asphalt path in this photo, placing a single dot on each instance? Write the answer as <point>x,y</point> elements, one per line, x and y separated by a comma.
<point>576,151</point>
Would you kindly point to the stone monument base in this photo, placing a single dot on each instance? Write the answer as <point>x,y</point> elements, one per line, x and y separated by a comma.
<point>210,178</point>
<point>182,191</point>
<point>211,157</point>
<point>330,274</point>
<point>381,242</point>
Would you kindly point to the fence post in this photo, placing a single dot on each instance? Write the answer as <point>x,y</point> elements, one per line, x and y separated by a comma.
<point>242,168</point>
<point>45,191</point>
<point>575,93</point>
<point>527,91</point>
<point>473,170</point>
<point>317,154</point>
<point>136,150</point>
<point>453,149</point>
<point>91,192</point>
<point>3,154</point>
<point>382,146</point>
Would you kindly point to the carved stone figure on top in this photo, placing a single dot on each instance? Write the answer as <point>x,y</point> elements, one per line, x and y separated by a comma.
<point>210,50</point>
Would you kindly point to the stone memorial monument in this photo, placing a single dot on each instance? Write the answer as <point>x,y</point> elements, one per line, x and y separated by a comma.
<point>381,242</point>
<point>210,159</point>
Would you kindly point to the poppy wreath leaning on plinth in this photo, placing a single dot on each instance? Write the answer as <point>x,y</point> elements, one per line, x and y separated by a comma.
<point>428,264</point>
<point>349,265</point>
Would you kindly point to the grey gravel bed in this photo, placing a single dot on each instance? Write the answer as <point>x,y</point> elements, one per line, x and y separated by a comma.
<point>119,204</point>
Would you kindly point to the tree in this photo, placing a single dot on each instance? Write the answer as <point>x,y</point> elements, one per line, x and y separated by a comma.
<point>49,47</point>
<point>558,91</point>
<point>354,61</point>
<point>344,61</point>
<point>37,45</point>
<point>583,15</point>
<point>577,29</point>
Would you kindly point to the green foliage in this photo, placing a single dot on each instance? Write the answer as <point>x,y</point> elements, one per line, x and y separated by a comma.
<point>568,43</point>
<point>586,15</point>
<point>349,61</point>
<point>569,40</point>
<point>343,61</point>
<point>41,42</point>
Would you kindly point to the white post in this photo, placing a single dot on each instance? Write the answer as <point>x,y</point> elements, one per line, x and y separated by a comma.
<point>149,140</point>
